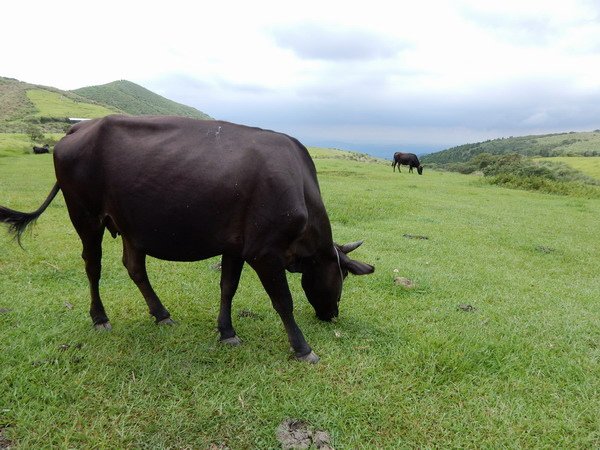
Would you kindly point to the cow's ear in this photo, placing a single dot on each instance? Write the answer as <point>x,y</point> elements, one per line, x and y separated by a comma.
<point>347,248</point>
<point>357,267</point>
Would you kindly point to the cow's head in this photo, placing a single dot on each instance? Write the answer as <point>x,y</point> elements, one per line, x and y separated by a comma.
<point>322,279</point>
<point>420,170</point>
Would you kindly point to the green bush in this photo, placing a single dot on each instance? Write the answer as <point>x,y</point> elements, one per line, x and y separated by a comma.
<point>519,172</point>
<point>35,134</point>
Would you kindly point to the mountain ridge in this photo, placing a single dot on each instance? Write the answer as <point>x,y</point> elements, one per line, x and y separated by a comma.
<point>137,100</point>
<point>24,104</point>
<point>571,143</point>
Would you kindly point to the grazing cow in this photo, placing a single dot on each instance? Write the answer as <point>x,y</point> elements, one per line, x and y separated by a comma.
<point>40,150</point>
<point>181,189</point>
<point>407,159</point>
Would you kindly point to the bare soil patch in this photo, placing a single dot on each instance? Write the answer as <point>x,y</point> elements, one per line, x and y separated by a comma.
<point>466,308</point>
<point>405,282</point>
<point>415,236</point>
<point>246,313</point>
<point>5,444</point>
<point>298,434</point>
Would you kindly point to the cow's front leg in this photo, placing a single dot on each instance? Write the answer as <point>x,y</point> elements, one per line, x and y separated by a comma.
<point>272,277</point>
<point>231,269</point>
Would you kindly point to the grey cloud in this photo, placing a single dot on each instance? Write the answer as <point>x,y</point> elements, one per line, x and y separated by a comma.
<point>193,84</point>
<point>518,108</point>
<point>319,42</point>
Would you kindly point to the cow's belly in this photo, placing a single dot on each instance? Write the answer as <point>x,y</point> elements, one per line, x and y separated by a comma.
<point>193,242</point>
<point>174,253</point>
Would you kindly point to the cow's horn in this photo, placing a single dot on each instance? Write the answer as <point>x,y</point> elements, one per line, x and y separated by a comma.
<point>347,248</point>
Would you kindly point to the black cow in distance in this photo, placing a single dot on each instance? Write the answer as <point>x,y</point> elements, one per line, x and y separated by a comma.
<point>407,159</point>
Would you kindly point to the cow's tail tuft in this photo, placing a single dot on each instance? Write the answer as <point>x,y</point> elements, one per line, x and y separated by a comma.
<point>19,221</point>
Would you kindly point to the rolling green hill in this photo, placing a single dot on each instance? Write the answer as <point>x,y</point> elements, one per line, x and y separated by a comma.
<point>137,100</point>
<point>23,105</point>
<point>560,144</point>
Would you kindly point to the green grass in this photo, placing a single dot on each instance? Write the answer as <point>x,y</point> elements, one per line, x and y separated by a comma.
<point>402,368</point>
<point>53,104</point>
<point>590,165</point>
<point>12,144</point>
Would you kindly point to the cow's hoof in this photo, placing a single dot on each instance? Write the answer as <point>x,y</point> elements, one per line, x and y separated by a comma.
<point>234,340</point>
<point>167,321</point>
<point>309,358</point>
<point>105,326</point>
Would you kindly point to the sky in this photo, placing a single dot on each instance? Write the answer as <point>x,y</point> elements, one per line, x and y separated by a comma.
<point>372,76</point>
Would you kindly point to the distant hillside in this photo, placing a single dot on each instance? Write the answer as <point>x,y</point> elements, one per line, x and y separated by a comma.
<point>561,144</point>
<point>137,100</point>
<point>23,105</point>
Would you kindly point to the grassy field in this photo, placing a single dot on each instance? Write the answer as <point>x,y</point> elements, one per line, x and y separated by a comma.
<point>53,104</point>
<point>590,165</point>
<point>12,144</point>
<point>496,346</point>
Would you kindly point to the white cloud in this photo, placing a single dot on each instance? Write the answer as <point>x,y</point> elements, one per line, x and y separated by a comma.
<point>434,71</point>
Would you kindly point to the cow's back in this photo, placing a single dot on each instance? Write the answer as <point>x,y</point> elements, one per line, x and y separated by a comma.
<point>407,159</point>
<point>185,189</point>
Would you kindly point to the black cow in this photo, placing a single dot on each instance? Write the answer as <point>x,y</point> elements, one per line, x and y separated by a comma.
<point>181,189</point>
<point>407,159</point>
<point>40,150</point>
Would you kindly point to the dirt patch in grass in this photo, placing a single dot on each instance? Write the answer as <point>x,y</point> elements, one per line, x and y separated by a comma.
<point>298,434</point>
<point>466,308</point>
<point>246,313</point>
<point>218,446</point>
<point>404,282</point>
<point>415,236</point>
<point>5,444</point>
<point>544,249</point>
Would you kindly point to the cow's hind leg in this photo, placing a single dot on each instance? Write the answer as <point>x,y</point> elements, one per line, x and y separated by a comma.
<point>135,262</point>
<point>231,269</point>
<point>272,277</point>
<point>91,238</point>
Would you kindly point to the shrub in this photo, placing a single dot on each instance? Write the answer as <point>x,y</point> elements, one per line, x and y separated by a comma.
<point>519,172</point>
<point>35,134</point>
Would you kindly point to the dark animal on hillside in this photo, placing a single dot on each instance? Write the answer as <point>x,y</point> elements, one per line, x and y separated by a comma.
<point>39,150</point>
<point>407,159</point>
<point>181,189</point>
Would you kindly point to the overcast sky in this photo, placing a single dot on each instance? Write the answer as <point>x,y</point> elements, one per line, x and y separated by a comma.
<point>373,76</point>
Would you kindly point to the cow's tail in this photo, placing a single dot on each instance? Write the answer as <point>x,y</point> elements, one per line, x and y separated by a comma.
<point>17,221</point>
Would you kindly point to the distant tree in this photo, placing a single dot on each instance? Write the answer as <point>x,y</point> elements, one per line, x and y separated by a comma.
<point>35,134</point>
<point>482,160</point>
